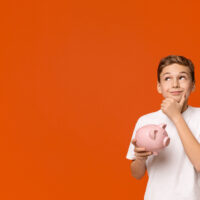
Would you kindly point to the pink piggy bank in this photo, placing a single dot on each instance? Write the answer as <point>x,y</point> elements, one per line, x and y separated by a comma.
<point>152,137</point>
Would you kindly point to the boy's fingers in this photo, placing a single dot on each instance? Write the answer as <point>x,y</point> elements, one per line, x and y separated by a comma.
<point>143,154</point>
<point>142,158</point>
<point>134,141</point>
<point>139,149</point>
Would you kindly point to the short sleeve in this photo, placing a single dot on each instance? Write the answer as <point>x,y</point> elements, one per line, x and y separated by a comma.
<point>198,138</point>
<point>131,154</point>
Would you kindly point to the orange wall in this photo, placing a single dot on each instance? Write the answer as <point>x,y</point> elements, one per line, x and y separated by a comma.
<point>75,76</point>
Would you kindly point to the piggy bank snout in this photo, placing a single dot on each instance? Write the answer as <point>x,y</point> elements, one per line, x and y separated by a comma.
<point>166,141</point>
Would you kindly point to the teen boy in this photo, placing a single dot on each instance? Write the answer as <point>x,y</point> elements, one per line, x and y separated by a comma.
<point>175,173</point>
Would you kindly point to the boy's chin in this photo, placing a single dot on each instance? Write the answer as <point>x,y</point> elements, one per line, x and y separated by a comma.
<point>176,98</point>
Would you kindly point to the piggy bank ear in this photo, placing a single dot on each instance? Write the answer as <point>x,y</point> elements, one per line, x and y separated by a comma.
<point>163,125</point>
<point>152,134</point>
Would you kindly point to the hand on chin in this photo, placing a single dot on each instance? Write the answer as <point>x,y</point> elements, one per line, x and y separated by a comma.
<point>176,98</point>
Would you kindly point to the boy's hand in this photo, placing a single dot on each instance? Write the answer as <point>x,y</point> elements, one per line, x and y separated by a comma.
<point>172,108</point>
<point>140,152</point>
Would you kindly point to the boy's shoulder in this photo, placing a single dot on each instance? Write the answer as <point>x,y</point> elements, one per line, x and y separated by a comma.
<point>195,111</point>
<point>151,116</point>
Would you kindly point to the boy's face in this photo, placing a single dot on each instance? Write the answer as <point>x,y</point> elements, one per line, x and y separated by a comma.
<point>175,80</point>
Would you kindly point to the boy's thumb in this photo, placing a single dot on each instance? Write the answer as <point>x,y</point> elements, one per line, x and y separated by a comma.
<point>134,141</point>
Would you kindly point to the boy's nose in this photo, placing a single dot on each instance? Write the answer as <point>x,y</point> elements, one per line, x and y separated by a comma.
<point>175,83</point>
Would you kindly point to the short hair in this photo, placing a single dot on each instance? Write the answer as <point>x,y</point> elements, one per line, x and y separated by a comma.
<point>171,59</point>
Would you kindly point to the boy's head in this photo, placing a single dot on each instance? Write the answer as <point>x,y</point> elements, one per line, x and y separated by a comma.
<point>175,76</point>
<point>171,59</point>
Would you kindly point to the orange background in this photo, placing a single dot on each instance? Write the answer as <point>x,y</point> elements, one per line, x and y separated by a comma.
<point>75,76</point>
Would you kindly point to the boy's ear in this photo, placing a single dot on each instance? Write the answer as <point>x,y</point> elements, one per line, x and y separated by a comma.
<point>193,87</point>
<point>158,87</point>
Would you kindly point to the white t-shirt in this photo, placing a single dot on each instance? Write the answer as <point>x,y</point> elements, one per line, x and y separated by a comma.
<point>171,174</point>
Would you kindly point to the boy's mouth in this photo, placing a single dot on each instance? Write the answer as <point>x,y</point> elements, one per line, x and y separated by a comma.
<point>176,93</point>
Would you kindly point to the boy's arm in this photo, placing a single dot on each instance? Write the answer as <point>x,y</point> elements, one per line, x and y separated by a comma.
<point>191,146</point>
<point>138,165</point>
<point>138,168</point>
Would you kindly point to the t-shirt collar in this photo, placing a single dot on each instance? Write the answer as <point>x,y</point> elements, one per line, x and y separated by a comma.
<point>184,114</point>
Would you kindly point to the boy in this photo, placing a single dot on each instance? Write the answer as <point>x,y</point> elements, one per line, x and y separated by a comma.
<point>175,173</point>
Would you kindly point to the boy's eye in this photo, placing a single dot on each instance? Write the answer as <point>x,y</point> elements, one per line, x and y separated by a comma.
<point>182,76</point>
<point>166,78</point>
<point>179,78</point>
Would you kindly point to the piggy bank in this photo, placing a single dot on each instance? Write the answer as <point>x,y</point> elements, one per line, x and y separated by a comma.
<point>152,137</point>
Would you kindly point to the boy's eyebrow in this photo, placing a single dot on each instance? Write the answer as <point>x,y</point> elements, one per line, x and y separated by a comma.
<point>180,72</point>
